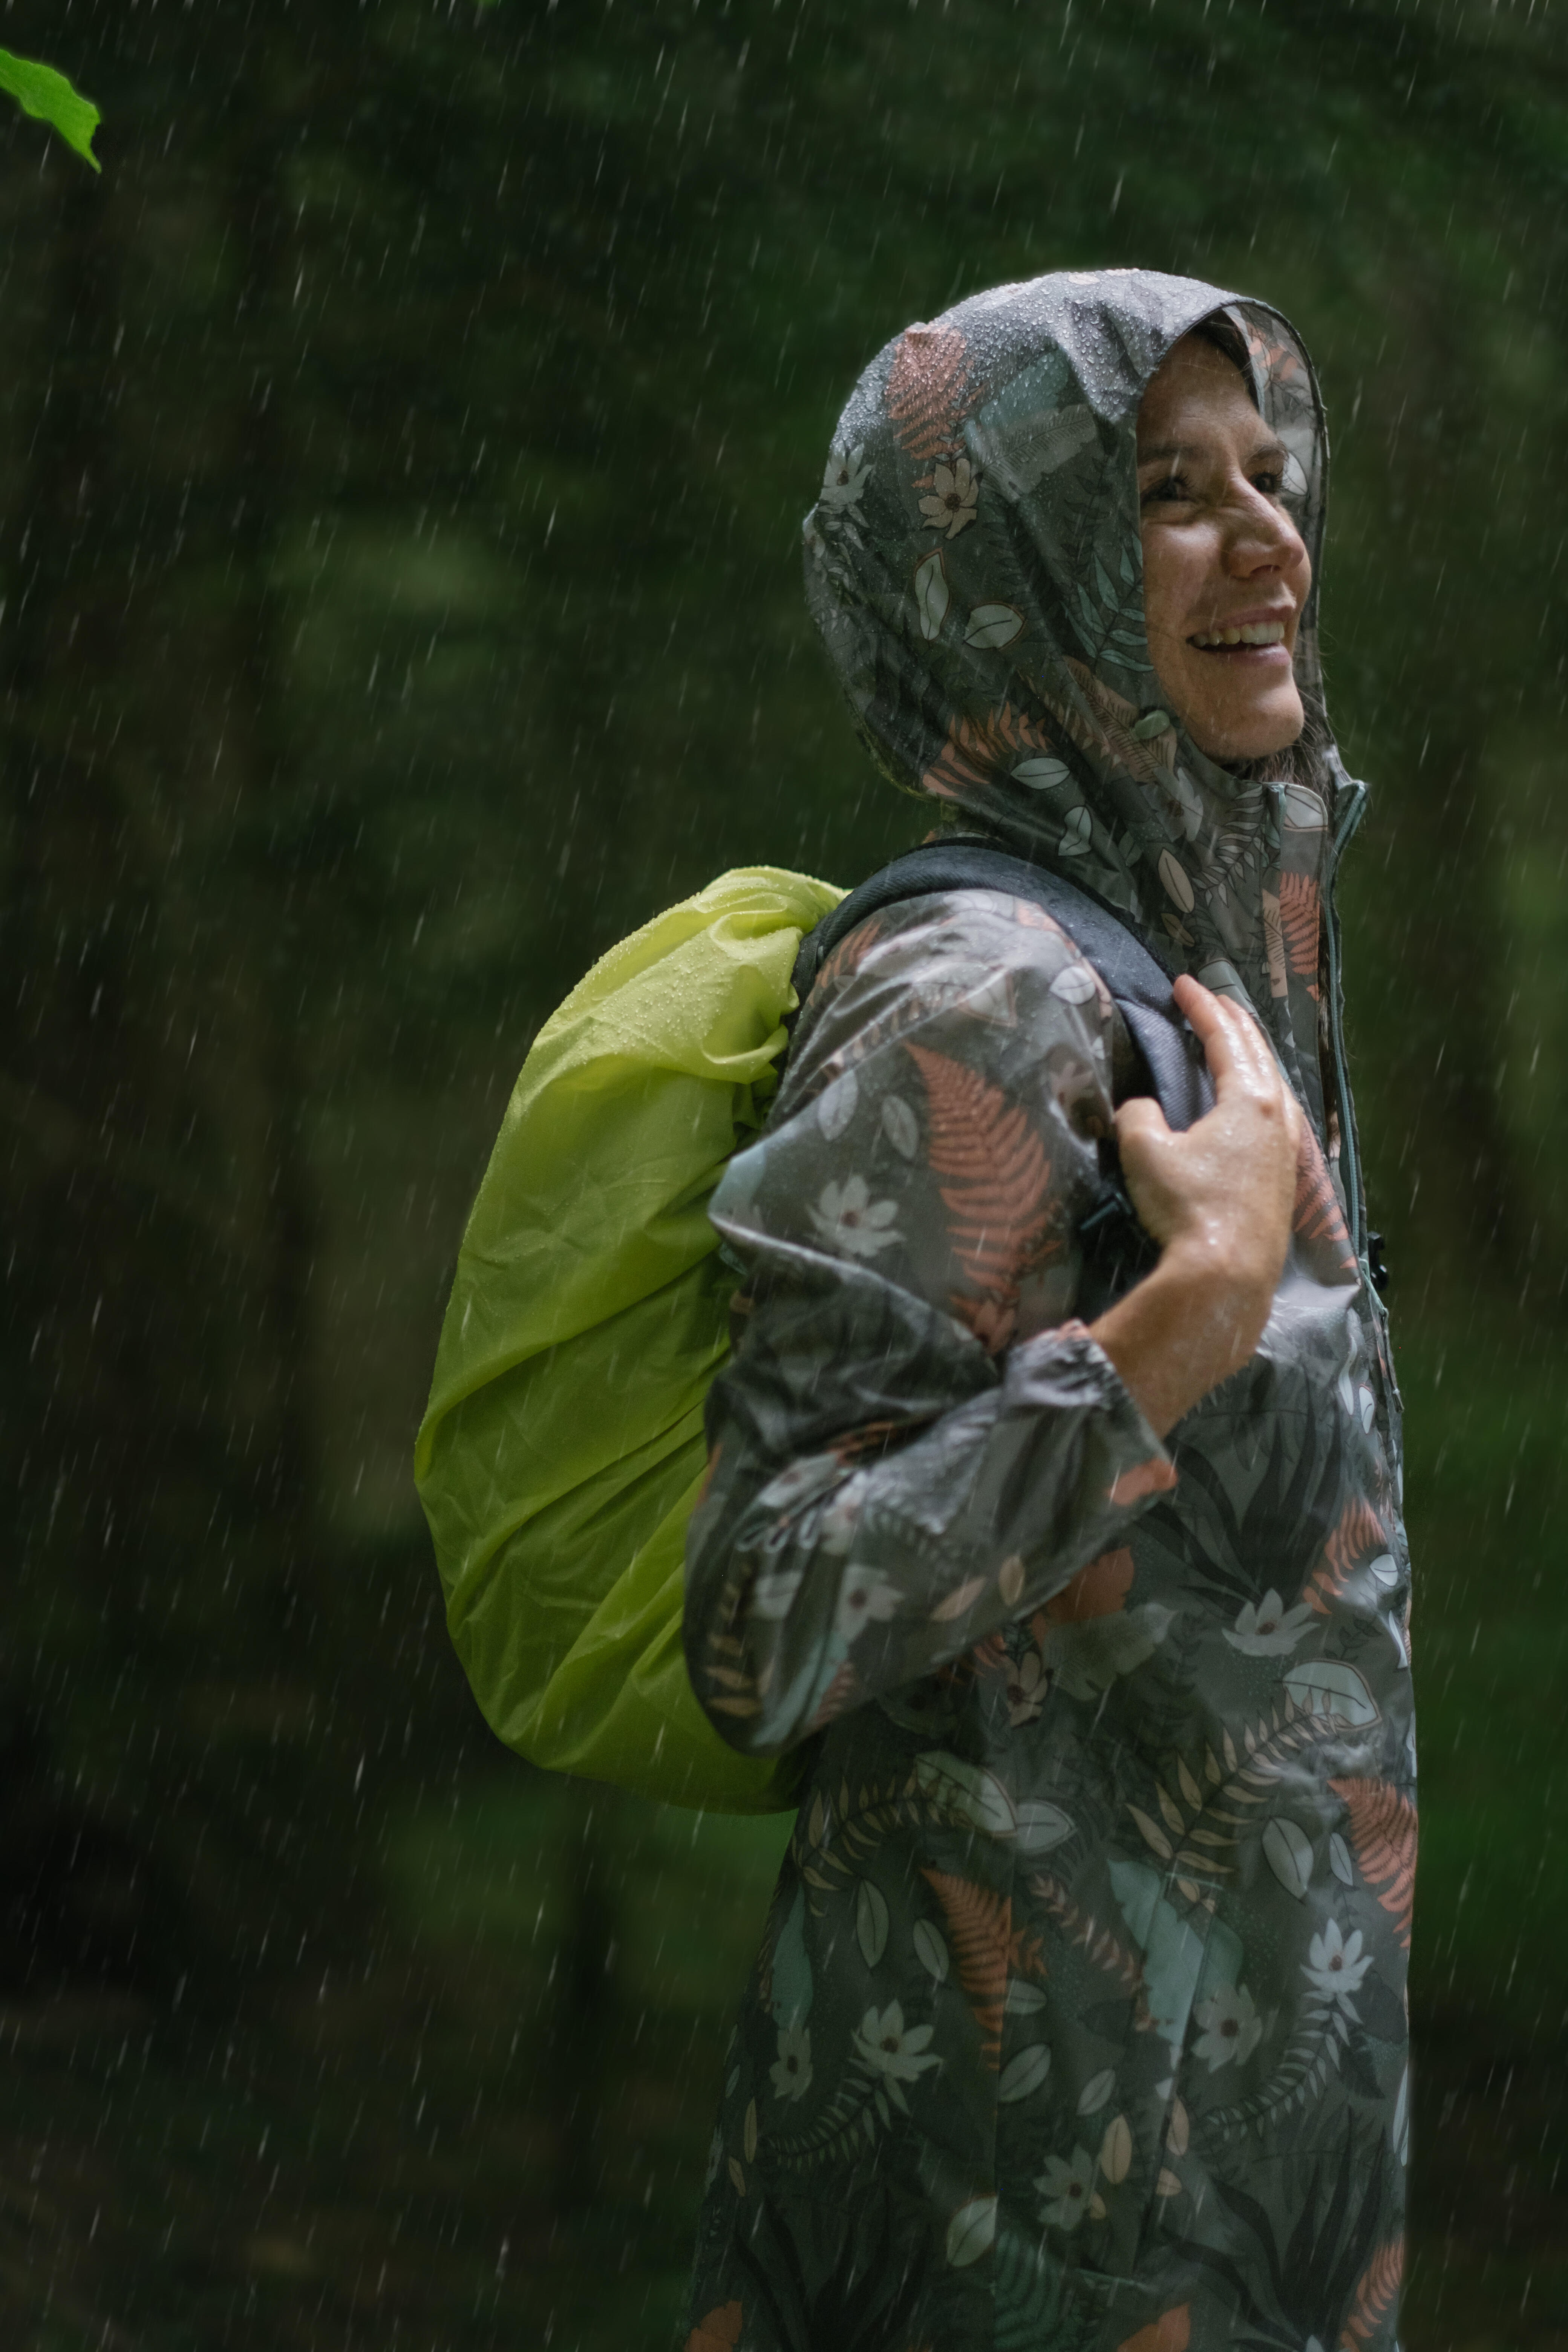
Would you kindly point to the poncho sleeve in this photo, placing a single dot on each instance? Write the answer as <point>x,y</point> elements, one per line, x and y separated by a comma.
<point>914,1441</point>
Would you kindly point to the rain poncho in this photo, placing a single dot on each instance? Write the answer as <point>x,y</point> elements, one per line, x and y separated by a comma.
<point>1080,2015</point>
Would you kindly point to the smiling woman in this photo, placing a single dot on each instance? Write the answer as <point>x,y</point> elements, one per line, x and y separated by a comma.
<point>1078,2016</point>
<point>1225,570</point>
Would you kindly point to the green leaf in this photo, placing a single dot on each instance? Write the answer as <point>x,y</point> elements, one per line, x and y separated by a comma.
<point>48,97</point>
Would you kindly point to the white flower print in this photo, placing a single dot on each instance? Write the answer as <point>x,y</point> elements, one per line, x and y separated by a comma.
<point>1068,2191</point>
<point>840,1518</point>
<point>791,2070</point>
<point>845,478</point>
<point>864,1598</point>
<point>1335,1965</point>
<point>773,1595</point>
<point>1231,2027</point>
<point>1266,1629</point>
<point>954,490</point>
<point>896,2051</point>
<point>846,1216</point>
<point>799,1481</point>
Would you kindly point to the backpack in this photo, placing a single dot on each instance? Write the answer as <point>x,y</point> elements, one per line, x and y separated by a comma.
<point>561,1450</point>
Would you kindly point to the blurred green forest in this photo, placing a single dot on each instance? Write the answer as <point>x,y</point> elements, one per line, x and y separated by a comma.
<point>404,447</point>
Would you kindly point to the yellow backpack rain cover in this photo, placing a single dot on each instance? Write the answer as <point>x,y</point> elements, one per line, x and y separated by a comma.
<point>562,1450</point>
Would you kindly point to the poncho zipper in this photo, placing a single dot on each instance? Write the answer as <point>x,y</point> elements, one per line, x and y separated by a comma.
<point>1351,1156</point>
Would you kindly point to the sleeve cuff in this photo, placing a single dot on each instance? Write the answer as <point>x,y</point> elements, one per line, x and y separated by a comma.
<point>1066,1370</point>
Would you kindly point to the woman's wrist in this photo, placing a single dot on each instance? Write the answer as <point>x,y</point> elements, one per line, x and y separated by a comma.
<point>1187,1325</point>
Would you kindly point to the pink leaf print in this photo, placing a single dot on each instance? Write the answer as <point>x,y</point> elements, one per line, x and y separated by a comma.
<point>719,2332</point>
<point>1375,2296</point>
<point>999,1212</point>
<point>1317,1217</point>
<point>1382,1832</point>
<point>1108,738</point>
<point>981,751</point>
<point>929,389</point>
<point>988,1944</point>
<point>1301,920</point>
<point>1359,1536</point>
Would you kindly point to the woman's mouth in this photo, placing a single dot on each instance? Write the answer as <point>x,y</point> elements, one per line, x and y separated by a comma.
<point>1245,632</point>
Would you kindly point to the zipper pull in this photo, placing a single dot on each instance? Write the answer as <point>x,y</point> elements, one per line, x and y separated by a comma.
<point>1376,1264</point>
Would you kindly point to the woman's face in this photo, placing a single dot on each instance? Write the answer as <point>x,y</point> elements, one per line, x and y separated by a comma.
<point>1226,572</point>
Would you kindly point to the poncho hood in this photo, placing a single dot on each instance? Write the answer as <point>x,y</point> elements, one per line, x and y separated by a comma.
<point>974,563</point>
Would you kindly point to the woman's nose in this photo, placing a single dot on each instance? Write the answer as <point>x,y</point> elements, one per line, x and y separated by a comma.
<point>1263,538</point>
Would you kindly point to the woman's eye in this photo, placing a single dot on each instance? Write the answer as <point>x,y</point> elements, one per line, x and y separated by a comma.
<point>1172,488</point>
<point>1271,482</point>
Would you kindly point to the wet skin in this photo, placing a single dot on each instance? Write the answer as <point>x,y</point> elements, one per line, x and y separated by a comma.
<point>1219,551</point>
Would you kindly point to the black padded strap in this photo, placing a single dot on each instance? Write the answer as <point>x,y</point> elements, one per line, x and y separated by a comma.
<point>1138,979</point>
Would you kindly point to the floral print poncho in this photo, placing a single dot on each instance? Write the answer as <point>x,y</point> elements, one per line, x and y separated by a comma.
<point>1080,2015</point>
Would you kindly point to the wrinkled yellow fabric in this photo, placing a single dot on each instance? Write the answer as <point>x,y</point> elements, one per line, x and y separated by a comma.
<point>562,1450</point>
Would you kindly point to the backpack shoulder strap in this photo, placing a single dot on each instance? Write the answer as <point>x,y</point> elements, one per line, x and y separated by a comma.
<point>1138,980</point>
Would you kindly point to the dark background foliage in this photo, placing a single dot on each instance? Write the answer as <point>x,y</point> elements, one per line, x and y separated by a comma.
<point>405,442</point>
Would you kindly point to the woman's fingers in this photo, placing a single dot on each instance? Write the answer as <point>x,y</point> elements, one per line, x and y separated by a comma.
<point>1149,1164</point>
<point>1220,1030</point>
<point>1138,1118</point>
<point>1145,1144</point>
<point>1234,1045</point>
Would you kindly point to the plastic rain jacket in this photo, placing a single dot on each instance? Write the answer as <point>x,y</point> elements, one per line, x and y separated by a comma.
<point>1080,2016</point>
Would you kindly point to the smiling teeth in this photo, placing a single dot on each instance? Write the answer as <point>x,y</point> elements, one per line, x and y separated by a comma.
<point>1251,632</point>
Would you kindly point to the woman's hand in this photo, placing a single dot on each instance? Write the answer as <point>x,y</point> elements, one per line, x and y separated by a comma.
<point>1218,1199</point>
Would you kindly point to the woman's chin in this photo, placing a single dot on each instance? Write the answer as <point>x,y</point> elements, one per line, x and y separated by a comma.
<point>1251,732</point>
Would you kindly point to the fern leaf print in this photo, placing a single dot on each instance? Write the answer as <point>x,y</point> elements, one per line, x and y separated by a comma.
<point>1301,925</point>
<point>850,954</point>
<point>1374,2297</point>
<point>1108,734</point>
<point>1357,1536</point>
<point>929,390</point>
<point>1317,1218</point>
<point>978,750</point>
<point>1382,1833</point>
<point>997,1192</point>
<point>987,1945</point>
